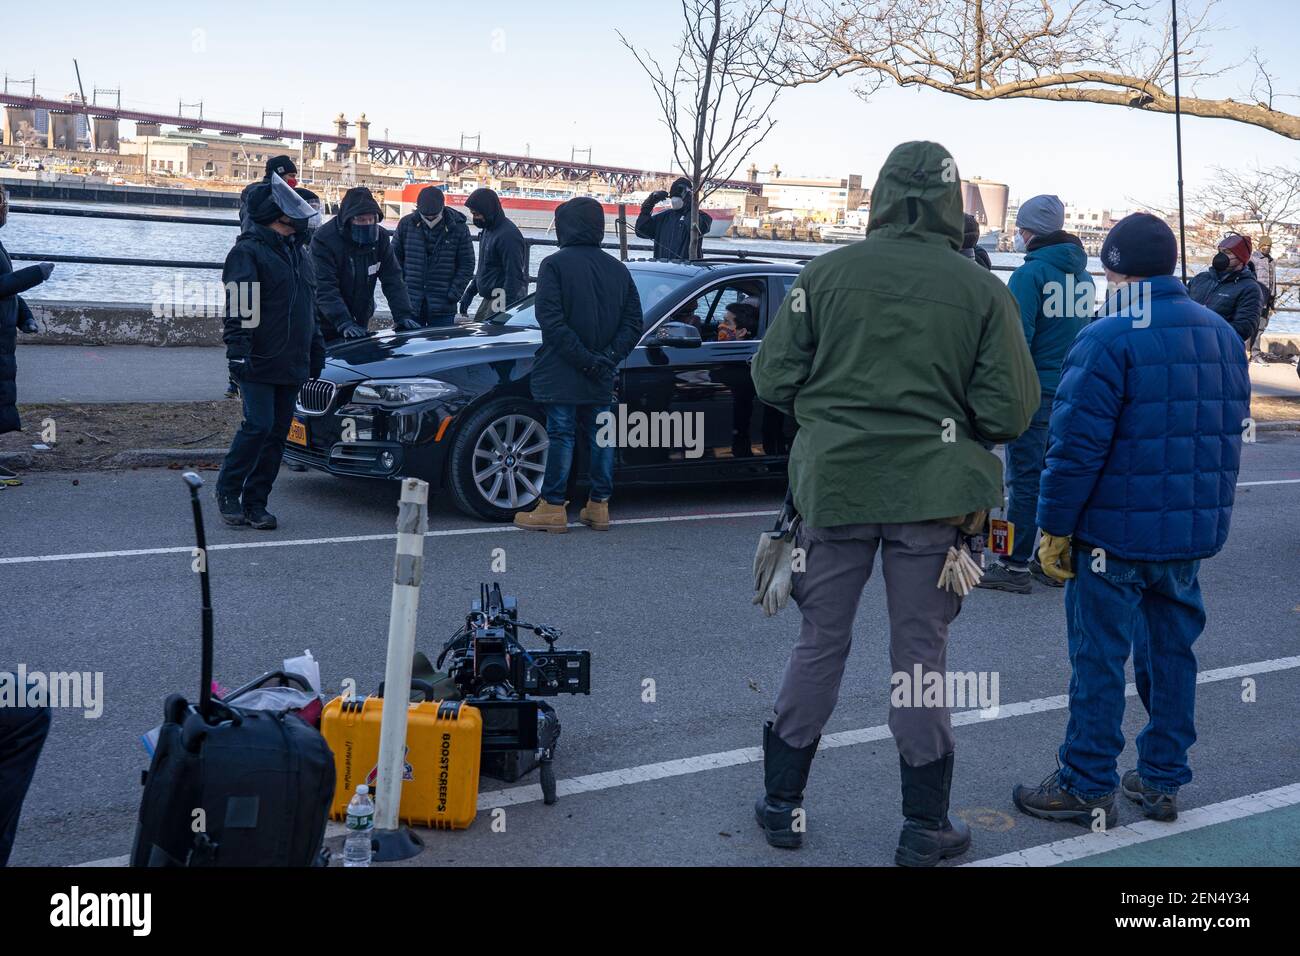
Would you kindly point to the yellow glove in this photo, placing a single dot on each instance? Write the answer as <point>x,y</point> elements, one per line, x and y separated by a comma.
<point>1054,556</point>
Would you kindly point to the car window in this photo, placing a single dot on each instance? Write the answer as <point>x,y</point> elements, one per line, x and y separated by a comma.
<point>652,287</point>
<point>708,309</point>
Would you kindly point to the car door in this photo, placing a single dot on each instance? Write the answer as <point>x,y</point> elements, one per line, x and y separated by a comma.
<point>685,399</point>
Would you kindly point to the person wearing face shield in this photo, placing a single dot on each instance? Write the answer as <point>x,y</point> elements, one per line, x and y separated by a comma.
<point>314,223</point>
<point>15,316</point>
<point>670,230</point>
<point>273,345</point>
<point>351,253</point>
<point>1229,288</point>
<point>502,275</point>
<point>433,247</point>
<point>281,166</point>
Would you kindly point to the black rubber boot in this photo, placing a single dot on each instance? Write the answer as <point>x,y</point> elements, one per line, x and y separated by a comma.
<point>785,772</point>
<point>929,834</point>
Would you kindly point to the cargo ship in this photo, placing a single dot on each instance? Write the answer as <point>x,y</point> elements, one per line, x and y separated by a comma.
<point>538,212</point>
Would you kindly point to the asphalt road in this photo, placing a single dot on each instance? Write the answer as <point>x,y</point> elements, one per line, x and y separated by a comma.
<point>667,599</point>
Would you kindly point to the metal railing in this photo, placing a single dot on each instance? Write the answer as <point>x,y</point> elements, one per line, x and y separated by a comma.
<point>1288,296</point>
<point>622,245</point>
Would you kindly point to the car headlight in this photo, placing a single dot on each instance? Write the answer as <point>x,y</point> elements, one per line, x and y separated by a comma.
<point>401,391</point>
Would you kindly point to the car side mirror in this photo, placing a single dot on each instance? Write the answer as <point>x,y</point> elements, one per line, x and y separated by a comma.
<point>677,335</point>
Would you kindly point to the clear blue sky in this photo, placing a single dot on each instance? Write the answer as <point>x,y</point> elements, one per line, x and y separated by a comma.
<point>554,75</point>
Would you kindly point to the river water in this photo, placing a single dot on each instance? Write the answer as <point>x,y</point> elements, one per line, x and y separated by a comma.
<point>66,235</point>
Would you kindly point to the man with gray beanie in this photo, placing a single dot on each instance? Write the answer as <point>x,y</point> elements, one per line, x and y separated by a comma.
<point>1057,298</point>
<point>1138,490</point>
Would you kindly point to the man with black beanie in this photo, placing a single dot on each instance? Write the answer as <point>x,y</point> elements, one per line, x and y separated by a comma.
<point>1142,461</point>
<point>433,247</point>
<point>273,345</point>
<point>350,254</point>
<point>281,166</point>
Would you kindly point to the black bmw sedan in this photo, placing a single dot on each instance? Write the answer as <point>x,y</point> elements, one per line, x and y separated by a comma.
<point>453,407</point>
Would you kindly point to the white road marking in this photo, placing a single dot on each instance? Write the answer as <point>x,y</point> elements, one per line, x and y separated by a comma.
<point>1090,844</point>
<point>445,533</point>
<point>352,539</point>
<point>610,779</point>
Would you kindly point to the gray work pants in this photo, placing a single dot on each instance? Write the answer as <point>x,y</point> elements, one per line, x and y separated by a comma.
<point>838,564</point>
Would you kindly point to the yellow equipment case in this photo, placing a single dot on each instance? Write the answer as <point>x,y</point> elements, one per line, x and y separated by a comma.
<point>444,742</point>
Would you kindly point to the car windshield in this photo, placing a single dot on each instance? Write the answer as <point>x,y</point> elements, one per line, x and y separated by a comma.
<point>652,286</point>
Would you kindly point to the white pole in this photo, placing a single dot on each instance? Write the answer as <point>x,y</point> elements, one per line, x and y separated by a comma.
<point>412,522</point>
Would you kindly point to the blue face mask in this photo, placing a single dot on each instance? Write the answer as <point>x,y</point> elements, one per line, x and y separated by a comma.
<point>365,235</point>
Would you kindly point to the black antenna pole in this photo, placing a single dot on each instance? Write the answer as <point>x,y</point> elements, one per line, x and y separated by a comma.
<point>1178,134</point>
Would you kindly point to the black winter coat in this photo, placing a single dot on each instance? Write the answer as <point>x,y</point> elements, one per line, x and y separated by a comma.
<point>437,263</point>
<point>670,230</point>
<point>1236,296</point>
<point>346,274</point>
<point>587,306</point>
<point>13,313</point>
<point>283,346</point>
<point>502,253</point>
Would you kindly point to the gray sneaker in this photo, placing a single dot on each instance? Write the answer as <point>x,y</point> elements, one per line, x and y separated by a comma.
<point>1001,578</point>
<point>1156,804</point>
<point>1042,577</point>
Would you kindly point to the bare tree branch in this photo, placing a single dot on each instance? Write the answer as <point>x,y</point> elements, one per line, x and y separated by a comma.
<point>717,101</point>
<point>1115,52</point>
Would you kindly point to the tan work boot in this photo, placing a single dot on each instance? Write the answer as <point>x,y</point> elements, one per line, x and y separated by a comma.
<point>595,515</point>
<point>545,517</point>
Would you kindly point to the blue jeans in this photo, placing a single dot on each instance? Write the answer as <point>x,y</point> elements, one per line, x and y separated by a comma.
<point>1025,458</point>
<point>254,458</point>
<point>1154,610</point>
<point>561,426</point>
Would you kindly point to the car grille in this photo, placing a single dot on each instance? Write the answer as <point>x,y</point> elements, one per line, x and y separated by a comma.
<point>315,397</point>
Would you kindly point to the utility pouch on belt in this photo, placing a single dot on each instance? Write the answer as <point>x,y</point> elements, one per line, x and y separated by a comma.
<point>444,740</point>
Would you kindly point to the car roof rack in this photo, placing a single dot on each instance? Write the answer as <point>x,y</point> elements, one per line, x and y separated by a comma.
<point>707,259</point>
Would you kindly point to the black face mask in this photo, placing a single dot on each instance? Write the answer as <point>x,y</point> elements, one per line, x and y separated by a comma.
<point>480,222</point>
<point>1219,263</point>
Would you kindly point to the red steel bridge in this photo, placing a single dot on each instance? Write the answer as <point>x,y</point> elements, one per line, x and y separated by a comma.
<point>502,165</point>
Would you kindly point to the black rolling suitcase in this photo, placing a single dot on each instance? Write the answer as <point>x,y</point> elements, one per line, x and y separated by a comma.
<point>231,787</point>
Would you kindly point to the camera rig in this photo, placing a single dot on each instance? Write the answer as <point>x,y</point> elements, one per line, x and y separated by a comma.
<point>497,674</point>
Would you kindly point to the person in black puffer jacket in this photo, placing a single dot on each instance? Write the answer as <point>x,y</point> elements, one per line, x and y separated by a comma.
<point>1229,288</point>
<point>350,253</point>
<point>502,276</point>
<point>590,315</point>
<point>14,316</point>
<point>433,248</point>
<point>273,345</point>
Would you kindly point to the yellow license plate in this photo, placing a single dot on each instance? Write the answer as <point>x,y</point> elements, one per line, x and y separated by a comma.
<point>298,433</point>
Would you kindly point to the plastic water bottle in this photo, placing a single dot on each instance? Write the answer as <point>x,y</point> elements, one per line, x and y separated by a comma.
<point>361,826</point>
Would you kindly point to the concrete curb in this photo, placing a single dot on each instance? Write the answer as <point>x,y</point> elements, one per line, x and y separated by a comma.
<point>1284,426</point>
<point>16,459</point>
<point>165,457</point>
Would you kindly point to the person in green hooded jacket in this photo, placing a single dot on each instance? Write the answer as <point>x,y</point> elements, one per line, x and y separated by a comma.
<point>901,360</point>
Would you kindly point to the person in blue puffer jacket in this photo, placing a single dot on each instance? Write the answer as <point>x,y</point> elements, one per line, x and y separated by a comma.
<point>1057,298</point>
<point>1141,472</point>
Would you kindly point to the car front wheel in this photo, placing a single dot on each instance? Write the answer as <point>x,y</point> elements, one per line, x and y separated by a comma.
<point>498,460</point>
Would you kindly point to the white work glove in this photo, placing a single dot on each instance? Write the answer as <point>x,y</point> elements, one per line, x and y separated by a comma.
<point>777,594</point>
